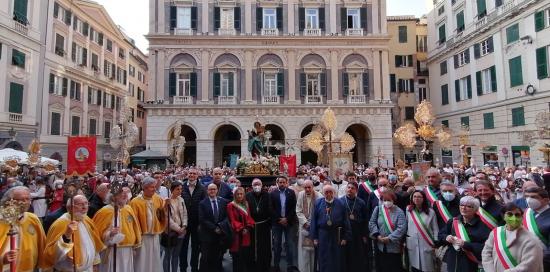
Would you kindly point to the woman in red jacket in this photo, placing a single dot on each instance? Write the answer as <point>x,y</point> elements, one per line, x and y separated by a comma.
<point>241,224</point>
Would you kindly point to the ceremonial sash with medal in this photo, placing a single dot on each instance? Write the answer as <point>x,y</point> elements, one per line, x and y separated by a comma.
<point>487,218</point>
<point>530,223</point>
<point>443,211</point>
<point>366,185</point>
<point>422,227</point>
<point>430,194</point>
<point>385,214</point>
<point>504,255</point>
<point>461,233</point>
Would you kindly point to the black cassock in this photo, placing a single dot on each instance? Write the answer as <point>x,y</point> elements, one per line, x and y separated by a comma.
<point>260,242</point>
<point>355,250</point>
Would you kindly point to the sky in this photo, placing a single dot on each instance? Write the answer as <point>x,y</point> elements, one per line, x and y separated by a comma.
<point>133,15</point>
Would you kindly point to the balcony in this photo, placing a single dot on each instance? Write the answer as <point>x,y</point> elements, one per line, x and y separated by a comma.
<point>183,31</point>
<point>270,100</point>
<point>354,32</point>
<point>227,100</point>
<point>312,32</point>
<point>481,22</point>
<point>183,100</point>
<point>270,32</point>
<point>16,118</point>
<point>227,32</point>
<point>21,28</point>
<point>357,99</point>
<point>314,99</point>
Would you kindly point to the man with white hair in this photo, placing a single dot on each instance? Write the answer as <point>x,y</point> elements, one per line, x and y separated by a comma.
<point>149,209</point>
<point>304,207</point>
<point>330,230</point>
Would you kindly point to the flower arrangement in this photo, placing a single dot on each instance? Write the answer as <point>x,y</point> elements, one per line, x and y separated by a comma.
<point>268,162</point>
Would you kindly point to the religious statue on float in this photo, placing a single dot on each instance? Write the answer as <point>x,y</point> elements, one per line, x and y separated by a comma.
<point>256,140</point>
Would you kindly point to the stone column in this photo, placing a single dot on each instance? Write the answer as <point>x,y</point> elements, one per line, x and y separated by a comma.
<point>374,17</point>
<point>159,92</point>
<point>385,76</point>
<point>291,56</point>
<point>290,16</point>
<point>248,59</point>
<point>205,17</point>
<point>205,152</point>
<point>383,21</point>
<point>244,147</point>
<point>247,16</point>
<point>377,80</point>
<point>331,28</point>
<point>334,76</point>
<point>205,59</point>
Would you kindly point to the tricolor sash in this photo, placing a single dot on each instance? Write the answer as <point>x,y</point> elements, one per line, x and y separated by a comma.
<point>443,211</point>
<point>487,218</point>
<point>422,227</point>
<point>430,194</point>
<point>504,255</point>
<point>530,223</point>
<point>461,233</point>
<point>241,208</point>
<point>377,193</point>
<point>366,185</point>
<point>385,214</point>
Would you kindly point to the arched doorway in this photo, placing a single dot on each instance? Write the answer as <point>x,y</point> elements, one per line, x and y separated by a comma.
<point>277,136</point>
<point>308,156</point>
<point>361,135</point>
<point>227,141</point>
<point>190,152</point>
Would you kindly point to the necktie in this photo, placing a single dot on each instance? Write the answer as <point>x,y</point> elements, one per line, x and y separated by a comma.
<point>216,213</point>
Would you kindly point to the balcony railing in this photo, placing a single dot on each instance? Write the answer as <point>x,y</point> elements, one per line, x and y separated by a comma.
<point>183,100</point>
<point>183,31</point>
<point>227,100</point>
<point>16,118</point>
<point>270,32</point>
<point>354,32</point>
<point>357,99</point>
<point>481,22</point>
<point>21,28</point>
<point>270,100</point>
<point>312,32</point>
<point>314,99</point>
<point>226,32</point>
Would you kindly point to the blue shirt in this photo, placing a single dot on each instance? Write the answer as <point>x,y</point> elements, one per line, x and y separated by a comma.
<point>282,197</point>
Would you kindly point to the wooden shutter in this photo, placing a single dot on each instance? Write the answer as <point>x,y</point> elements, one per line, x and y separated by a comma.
<point>85,28</point>
<point>259,19</point>
<point>345,84</point>
<point>55,10</point>
<point>64,86</point>
<point>477,51</point>
<point>194,18</point>
<point>52,83</point>
<point>344,19</point>
<point>400,85</point>
<point>301,19</point>
<point>411,85</point>
<point>73,52</point>
<point>303,84</point>
<point>494,87</point>
<point>490,45</point>
<point>216,18</point>
<point>193,84</point>
<point>398,62</point>
<point>216,84</point>
<point>322,19</point>
<point>98,97</point>
<point>469,86</point>
<point>481,8</point>
<point>455,58</point>
<point>542,62</point>
<point>323,78</point>
<point>539,20</point>
<point>231,83</point>
<point>173,17</point>
<point>75,22</point>
<point>457,90</point>
<point>68,16</point>
<point>100,38</point>
<point>392,83</point>
<point>488,121</point>
<point>280,84</point>
<point>410,60</point>
<point>364,22</point>
<point>237,21</point>
<point>467,55</point>
<point>516,74</point>
<point>479,83</point>
<point>445,94</point>
<point>366,84</point>
<point>279,18</point>
<point>172,84</point>
<point>90,95</point>
<point>16,98</point>
<point>84,57</point>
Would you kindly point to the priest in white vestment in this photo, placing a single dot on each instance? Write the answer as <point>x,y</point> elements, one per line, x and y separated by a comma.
<point>304,207</point>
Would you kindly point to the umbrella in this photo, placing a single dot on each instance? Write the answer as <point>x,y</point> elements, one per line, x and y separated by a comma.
<point>8,153</point>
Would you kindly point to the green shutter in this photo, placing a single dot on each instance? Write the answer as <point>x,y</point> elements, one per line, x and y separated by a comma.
<point>442,34</point>
<point>402,34</point>
<point>303,87</point>
<point>465,121</point>
<point>542,62</point>
<point>18,58</point>
<point>172,84</point>
<point>494,85</point>
<point>216,84</point>
<point>20,11</point>
<point>392,83</point>
<point>469,87</point>
<point>445,94</point>
<point>518,118</point>
<point>512,33</point>
<point>366,84</point>
<point>457,90</point>
<point>230,82</point>
<point>460,21</point>
<point>488,121</point>
<point>323,79</point>
<point>539,20</point>
<point>516,73</point>
<point>345,83</point>
<point>16,98</point>
<point>280,84</point>
<point>193,84</point>
<point>479,83</point>
<point>481,8</point>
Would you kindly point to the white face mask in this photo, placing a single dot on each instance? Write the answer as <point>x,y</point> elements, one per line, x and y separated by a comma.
<point>300,182</point>
<point>533,203</point>
<point>59,186</point>
<point>503,184</point>
<point>257,188</point>
<point>388,204</point>
<point>448,196</point>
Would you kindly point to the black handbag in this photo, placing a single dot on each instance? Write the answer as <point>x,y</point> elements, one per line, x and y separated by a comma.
<point>169,238</point>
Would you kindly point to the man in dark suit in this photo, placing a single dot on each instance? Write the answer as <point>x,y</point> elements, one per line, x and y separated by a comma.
<point>223,188</point>
<point>193,193</point>
<point>212,229</point>
<point>283,216</point>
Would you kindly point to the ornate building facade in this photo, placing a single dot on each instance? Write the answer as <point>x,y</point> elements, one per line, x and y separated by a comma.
<point>216,67</point>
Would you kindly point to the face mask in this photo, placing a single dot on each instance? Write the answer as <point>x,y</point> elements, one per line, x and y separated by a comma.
<point>257,188</point>
<point>300,182</point>
<point>232,186</point>
<point>503,184</point>
<point>448,196</point>
<point>513,221</point>
<point>392,178</point>
<point>58,186</point>
<point>533,203</point>
<point>316,183</point>
<point>388,204</point>
<point>445,180</point>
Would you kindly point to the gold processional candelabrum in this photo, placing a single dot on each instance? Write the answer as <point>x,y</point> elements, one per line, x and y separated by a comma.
<point>10,212</point>
<point>124,135</point>
<point>322,135</point>
<point>408,134</point>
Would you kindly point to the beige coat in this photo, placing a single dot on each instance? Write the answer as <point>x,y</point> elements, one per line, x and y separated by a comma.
<point>524,246</point>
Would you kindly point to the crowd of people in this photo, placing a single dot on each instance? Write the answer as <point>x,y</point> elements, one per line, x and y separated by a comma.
<point>370,219</point>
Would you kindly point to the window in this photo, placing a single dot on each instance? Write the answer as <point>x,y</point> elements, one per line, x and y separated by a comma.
<point>422,43</point>
<point>462,58</point>
<point>56,85</point>
<point>542,19</point>
<point>516,73</point>
<point>402,34</point>
<point>312,18</point>
<point>96,37</point>
<point>445,94</point>
<point>183,18</point>
<point>94,96</point>
<point>443,67</point>
<point>463,88</point>
<point>16,98</point>
<point>483,48</point>
<point>518,118</point>
<point>460,21</point>
<point>183,85</point>
<point>422,94</point>
<point>139,76</point>
<point>75,90</point>
<point>121,76</point>
<point>269,18</point>
<point>270,85</point>
<point>20,11</point>
<point>132,71</point>
<point>106,129</point>
<point>486,81</point>
<point>109,45</point>
<point>465,121</point>
<point>18,58</point>
<point>107,69</point>
<point>79,54</point>
<point>80,26</point>
<point>409,113</point>
<point>227,18</point>
<point>55,123</point>
<point>406,85</point>
<point>445,123</point>
<point>313,85</point>
<point>404,61</point>
<point>488,121</point>
<point>92,127</point>
<point>95,62</point>
<point>59,45</point>
<point>353,18</point>
<point>542,62</point>
<point>512,33</point>
<point>442,35</point>
<point>481,9</point>
<point>131,89</point>
<point>121,53</point>
<point>441,10</point>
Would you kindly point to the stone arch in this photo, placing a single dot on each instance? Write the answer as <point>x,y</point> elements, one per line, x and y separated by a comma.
<point>312,59</point>
<point>183,60</point>
<point>307,156</point>
<point>227,58</point>
<point>217,126</point>
<point>354,58</point>
<point>170,129</point>
<point>190,151</point>
<point>361,133</point>
<point>270,58</point>
<point>227,141</point>
<point>277,136</point>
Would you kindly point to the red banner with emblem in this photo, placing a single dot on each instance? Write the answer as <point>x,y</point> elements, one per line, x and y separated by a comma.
<point>81,155</point>
<point>287,165</point>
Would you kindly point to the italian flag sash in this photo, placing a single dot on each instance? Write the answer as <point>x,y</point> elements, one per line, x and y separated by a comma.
<point>430,194</point>
<point>443,211</point>
<point>377,193</point>
<point>530,224</point>
<point>461,233</point>
<point>422,227</point>
<point>385,214</point>
<point>503,252</point>
<point>487,218</point>
<point>366,185</point>
<point>240,207</point>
